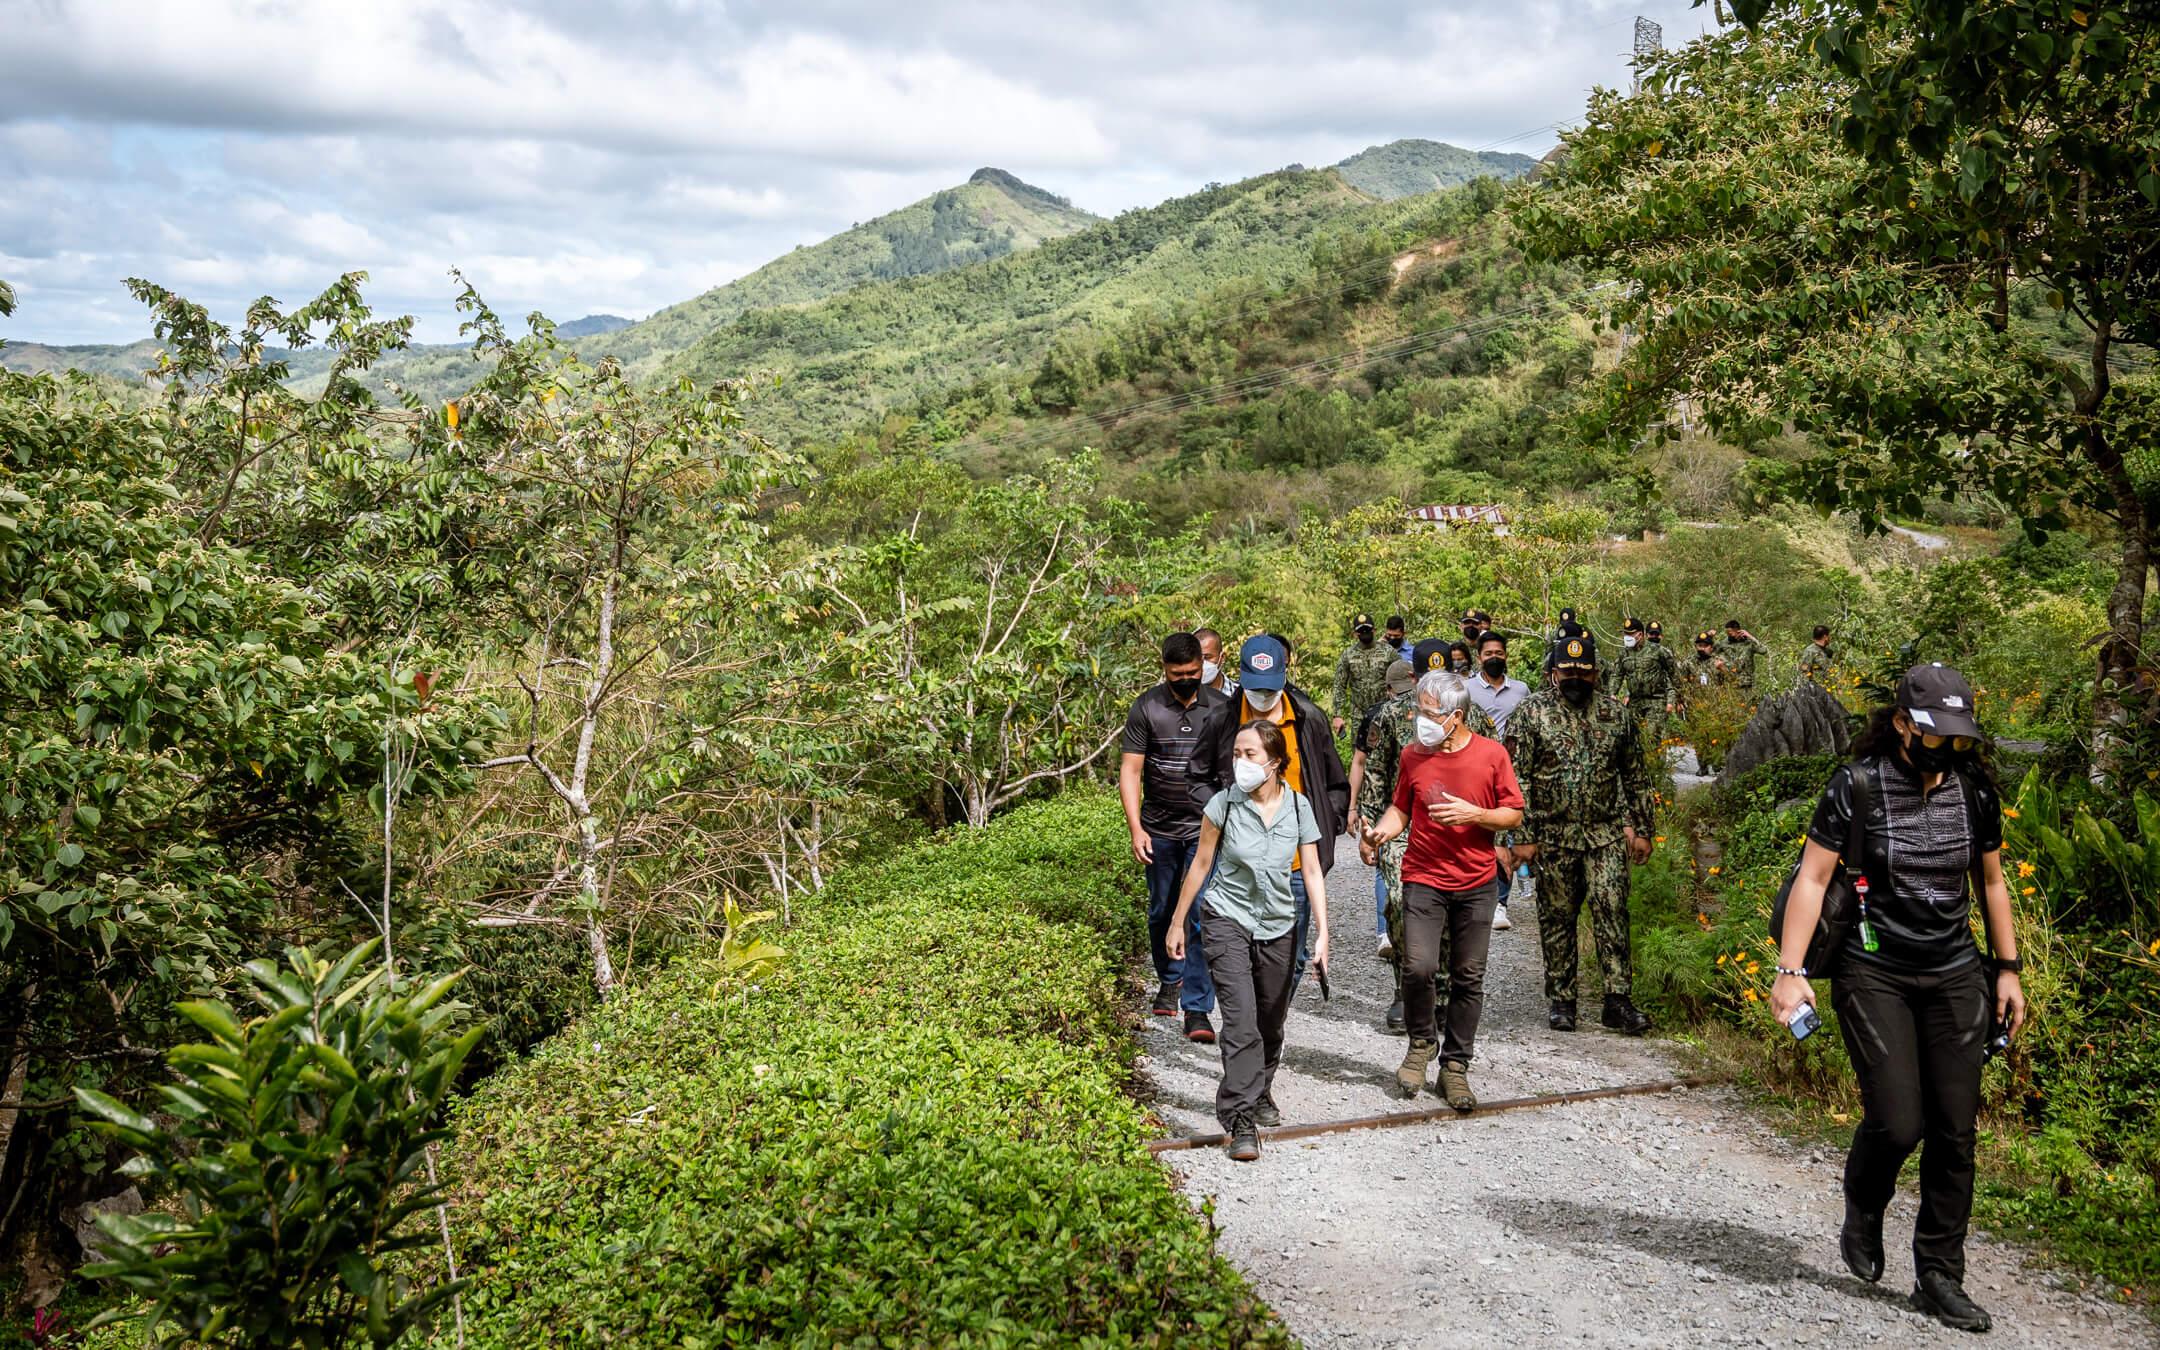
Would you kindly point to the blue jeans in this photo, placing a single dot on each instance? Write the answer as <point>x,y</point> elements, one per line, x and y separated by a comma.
<point>1379,901</point>
<point>1165,880</point>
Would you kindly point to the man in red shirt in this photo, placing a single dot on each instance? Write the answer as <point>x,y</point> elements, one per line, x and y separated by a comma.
<point>1453,791</point>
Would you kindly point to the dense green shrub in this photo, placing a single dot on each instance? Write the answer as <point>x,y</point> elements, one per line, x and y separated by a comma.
<point>914,1132</point>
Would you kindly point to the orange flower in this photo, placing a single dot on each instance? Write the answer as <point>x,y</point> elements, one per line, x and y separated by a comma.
<point>1715,870</point>
<point>1753,997</point>
<point>1721,958</point>
<point>2027,890</point>
<point>2011,812</point>
<point>2025,869</point>
<point>1754,967</point>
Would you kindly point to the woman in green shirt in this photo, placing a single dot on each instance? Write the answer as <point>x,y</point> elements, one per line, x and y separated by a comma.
<point>1250,836</point>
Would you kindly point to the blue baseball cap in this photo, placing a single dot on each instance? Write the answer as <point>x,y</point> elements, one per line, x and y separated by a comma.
<point>1262,663</point>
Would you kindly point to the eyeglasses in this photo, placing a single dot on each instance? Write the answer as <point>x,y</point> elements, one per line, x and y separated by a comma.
<point>1958,743</point>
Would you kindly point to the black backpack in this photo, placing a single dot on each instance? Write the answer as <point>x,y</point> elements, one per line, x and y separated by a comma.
<point>1841,902</point>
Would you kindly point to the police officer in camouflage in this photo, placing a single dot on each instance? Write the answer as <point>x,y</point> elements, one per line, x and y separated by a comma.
<point>1588,814</point>
<point>1816,659</point>
<point>1361,674</point>
<point>1647,677</point>
<point>1393,727</point>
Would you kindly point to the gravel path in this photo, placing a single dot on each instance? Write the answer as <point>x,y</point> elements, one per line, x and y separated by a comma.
<point>1655,1220</point>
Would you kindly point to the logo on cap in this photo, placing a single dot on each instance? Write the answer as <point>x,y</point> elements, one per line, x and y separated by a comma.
<point>1953,700</point>
<point>1436,661</point>
<point>1574,649</point>
<point>1263,661</point>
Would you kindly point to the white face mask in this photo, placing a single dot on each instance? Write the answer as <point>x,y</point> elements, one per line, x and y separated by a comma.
<point>1263,700</point>
<point>1248,774</point>
<point>1209,670</point>
<point>1629,640</point>
<point>1430,732</point>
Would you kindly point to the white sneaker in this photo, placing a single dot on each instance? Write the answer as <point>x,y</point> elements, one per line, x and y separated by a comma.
<point>1500,920</point>
<point>1387,948</point>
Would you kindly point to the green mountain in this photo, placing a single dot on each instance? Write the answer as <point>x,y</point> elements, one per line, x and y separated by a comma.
<point>991,215</point>
<point>1408,167</point>
<point>854,356</point>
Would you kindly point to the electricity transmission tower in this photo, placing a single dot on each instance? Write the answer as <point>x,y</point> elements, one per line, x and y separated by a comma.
<point>1649,41</point>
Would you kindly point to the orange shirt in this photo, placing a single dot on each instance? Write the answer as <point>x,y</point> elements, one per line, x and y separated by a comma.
<point>1290,776</point>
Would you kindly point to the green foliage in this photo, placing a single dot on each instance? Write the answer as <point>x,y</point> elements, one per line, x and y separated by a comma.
<point>914,1132</point>
<point>295,1148</point>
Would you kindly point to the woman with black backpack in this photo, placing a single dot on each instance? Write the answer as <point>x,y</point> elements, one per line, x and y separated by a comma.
<point>1911,833</point>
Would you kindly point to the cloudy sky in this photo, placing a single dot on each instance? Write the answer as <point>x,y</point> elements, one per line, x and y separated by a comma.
<point>620,155</point>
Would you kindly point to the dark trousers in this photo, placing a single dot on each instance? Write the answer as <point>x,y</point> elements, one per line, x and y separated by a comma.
<point>1252,982</point>
<point>1916,1043</point>
<point>1165,879</point>
<point>1567,878</point>
<point>1451,931</point>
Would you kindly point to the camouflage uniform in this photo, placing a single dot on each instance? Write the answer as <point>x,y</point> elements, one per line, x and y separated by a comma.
<point>1741,656</point>
<point>1647,674</point>
<point>1361,678</point>
<point>1815,663</point>
<point>1583,780</point>
<point>1394,725</point>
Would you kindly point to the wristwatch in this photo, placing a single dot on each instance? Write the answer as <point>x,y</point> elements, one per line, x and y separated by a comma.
<point>2010,963</point>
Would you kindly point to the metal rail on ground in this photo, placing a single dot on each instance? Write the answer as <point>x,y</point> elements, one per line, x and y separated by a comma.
<point>1393,1119</point>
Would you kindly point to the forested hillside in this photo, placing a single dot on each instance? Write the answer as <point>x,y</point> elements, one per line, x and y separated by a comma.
<point>853,356</point>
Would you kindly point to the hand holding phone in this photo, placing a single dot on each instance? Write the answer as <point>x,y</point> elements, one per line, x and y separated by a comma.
<point>1804,1023</point>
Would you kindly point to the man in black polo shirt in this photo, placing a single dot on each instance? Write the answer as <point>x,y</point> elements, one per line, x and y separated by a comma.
<point>1163,814</point>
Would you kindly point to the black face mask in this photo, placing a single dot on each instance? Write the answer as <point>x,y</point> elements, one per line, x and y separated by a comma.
<point>1931,759</point>
<point>1495,666</point>
<point>1576,692</point>
<point>1364,639</point>
<point>1184,690</point>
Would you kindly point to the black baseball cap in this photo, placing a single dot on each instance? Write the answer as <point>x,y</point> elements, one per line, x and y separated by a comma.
<point>1938,700</point>
<point>1705,636</point>
<point>1431,654</point>
<point>1633,625</point>
<point>1363,623</point>
<point>1656,629</point>
<point>1577,652</point>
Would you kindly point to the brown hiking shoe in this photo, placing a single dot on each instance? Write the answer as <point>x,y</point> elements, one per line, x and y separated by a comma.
<point>1411,1076</point>
<point>1455,1085</point>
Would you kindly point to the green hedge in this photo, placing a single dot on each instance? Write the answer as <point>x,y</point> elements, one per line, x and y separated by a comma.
<point>914,1133</point>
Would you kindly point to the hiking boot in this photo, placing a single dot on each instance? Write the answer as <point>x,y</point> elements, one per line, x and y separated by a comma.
<point>1860,1240</point>
<point>1411,1076</point>
<point>1455,1085</point>
<point>1943,1298</point>
<point>1394,1017</point>
<point>1244,1143</point>
<point>1267,1115</point>
<point>1500,921</point>
<point>1199,1029</point>
<point>1166,997</point>
<point>1561,1016</point>
<point>1623,1016</point>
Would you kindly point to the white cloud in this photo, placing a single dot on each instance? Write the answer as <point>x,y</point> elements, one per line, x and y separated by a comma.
<point>621,155</point>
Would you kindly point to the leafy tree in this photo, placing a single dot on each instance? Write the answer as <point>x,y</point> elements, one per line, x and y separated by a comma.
<point>295,1149</point>
<point>1826,216</point>
<point>181,745</point>
<point>640,562</point>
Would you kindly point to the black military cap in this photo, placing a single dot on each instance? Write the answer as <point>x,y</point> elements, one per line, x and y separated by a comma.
<point>1633,625</point>
<point>1363,623</point>
<point>1656,629</point>
<point>1429,655</point>
<point>1705,636</point>
<point>1578,652</point>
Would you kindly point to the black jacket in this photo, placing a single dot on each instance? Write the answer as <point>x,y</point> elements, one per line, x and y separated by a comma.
<point>1320,766</point>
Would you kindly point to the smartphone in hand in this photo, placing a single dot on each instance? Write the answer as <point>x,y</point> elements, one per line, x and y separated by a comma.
<point>1320,969</point>
<point>1804,1023</point>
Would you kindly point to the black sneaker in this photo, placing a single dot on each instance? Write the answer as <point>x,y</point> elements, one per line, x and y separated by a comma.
<point>1943,1299</point>
<point>1166,997</point>
<point>1394,1017</point>
<point>1267,1115</point>
<point>1623,1016</point>
<point>1198,1028</point>
<point>1561,1016</point>
<point>1860,1240</point>
<point>1244,1144</point>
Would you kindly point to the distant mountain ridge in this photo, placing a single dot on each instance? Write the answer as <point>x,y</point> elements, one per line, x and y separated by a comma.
<point>1407,168</point>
